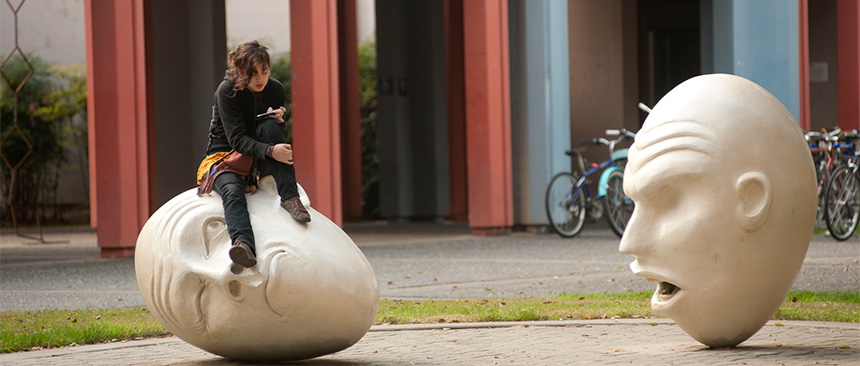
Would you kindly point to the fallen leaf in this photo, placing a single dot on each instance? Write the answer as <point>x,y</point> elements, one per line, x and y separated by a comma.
<point>653,324</point>
<point>390,283</point>
<point>778,324</point>
<point>844,347</point>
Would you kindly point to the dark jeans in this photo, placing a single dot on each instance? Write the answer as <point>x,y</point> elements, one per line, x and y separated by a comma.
<point>232,189</point>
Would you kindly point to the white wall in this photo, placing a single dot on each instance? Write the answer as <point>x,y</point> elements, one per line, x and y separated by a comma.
<point>268,21</point>
<point>56,30</point>
<point>51,29</point>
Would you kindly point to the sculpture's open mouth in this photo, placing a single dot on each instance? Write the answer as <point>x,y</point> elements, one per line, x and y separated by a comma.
<point>665,291</point>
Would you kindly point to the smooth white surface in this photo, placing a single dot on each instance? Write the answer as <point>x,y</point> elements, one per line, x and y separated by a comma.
<point>725,196</point>
<point>311,293</point>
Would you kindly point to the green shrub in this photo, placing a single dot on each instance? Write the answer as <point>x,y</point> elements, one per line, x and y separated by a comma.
<point>51,120</point>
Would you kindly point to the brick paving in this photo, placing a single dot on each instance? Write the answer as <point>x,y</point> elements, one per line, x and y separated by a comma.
<point>596,342</point>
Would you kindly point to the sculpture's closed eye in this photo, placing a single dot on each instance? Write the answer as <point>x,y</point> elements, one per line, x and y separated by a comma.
<point>214,231</point>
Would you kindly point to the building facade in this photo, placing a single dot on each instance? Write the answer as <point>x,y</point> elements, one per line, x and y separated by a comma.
<point>478,99</point>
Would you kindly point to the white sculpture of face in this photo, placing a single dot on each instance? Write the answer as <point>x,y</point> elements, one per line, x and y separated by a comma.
<point>725,198</point>
<point>312,292</point>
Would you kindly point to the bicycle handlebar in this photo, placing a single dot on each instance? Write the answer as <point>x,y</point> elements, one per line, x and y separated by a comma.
<point>622,132</point>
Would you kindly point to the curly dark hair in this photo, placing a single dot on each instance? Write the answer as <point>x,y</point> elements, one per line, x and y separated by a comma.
<point>241,62</point>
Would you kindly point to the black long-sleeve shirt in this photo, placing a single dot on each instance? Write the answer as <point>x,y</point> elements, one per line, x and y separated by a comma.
<point>234,117</point>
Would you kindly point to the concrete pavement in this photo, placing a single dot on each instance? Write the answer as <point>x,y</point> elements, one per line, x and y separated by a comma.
<point>444,261</point>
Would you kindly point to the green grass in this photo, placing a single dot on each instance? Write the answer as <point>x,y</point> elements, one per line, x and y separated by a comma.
<point>820,306</point>
<point>575,306</point>
<point>58,328</point>
<point>21,331</point>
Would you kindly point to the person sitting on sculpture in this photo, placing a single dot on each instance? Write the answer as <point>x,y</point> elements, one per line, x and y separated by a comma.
<point>725,198</point>
<point>241,146</point>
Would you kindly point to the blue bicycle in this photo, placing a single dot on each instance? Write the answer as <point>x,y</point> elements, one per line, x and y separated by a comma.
<point>568,197</point>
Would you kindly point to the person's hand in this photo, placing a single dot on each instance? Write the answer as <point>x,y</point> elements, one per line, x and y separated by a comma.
<point>279,114</point>
<point>283,153</point>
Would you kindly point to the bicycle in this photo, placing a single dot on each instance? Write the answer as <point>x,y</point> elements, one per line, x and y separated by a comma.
<point>824,147</point>
<point>568,196</point>
<point>842,196</point>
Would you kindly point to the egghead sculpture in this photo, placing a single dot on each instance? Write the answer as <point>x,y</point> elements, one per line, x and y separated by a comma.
<point>725,202</point>
<point>312,292</point>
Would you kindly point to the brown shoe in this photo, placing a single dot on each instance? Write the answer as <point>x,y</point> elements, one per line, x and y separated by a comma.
<point>242,255</point>
<point>297,210</point>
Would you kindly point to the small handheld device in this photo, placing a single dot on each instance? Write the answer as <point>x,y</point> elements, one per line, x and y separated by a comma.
<point>269,113</point>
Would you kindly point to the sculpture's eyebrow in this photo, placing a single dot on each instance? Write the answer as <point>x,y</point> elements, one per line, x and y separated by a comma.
<point>687,146</point>
<point>675,135</point>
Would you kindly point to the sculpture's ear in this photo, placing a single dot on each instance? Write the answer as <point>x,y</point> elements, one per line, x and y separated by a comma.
<point>755,194</point>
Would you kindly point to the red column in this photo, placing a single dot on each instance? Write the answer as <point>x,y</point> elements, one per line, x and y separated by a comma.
<point>459,184</point>
<point>848,45</point>
<point>316,127</point>
<point>350,111</point>
<point>488,117</point>
<point>119,132</point>
<point>803,28</point>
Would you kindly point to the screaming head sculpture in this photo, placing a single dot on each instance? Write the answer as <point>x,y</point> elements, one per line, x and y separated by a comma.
<point>311,293</point>
<point>725,197</point>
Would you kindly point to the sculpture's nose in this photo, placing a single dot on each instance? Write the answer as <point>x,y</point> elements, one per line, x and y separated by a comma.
<point>631,241</point>
<point>282,287</point>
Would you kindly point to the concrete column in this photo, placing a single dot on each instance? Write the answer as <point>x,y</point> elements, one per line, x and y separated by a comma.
<point>488,128</point>
<point>316,105</point>
<point>848,41</point>
<point>541,111</point>
<point>350,114</point>
<point>120,132</point>
<point>455,78</point>
<point>764,45</point>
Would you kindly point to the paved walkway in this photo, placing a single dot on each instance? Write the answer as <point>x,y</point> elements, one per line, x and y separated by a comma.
<point>443,261</point>
<point>598,342</point>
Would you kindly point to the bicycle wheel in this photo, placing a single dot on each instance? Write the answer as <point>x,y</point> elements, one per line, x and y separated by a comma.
<point>618,206</point>
<point>821,178</point>
<point>565,205</point>
<point>842,203</point>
